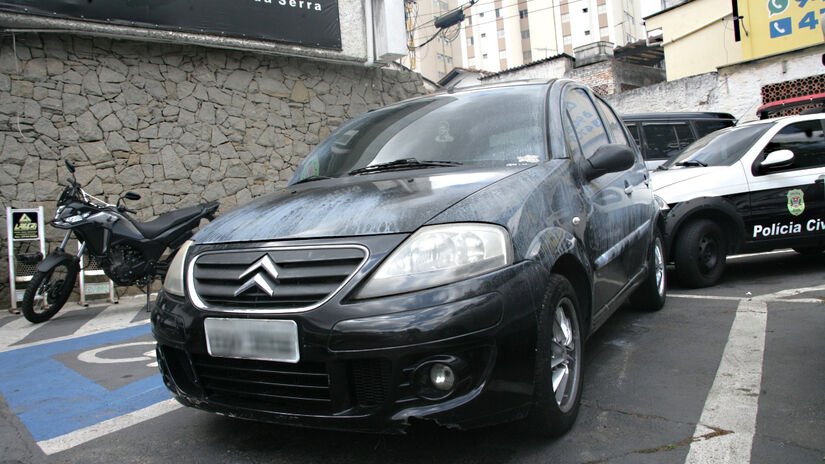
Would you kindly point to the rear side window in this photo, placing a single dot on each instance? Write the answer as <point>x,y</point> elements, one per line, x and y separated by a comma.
<point>665,140</point>
<point>634,132</point>
<point>586,122</point>
<point>704,128</point>
<point>807,142</point>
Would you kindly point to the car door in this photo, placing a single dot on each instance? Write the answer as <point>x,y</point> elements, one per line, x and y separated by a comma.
<point>607,202</point>
<point>788,202</point>
<point>637,188</point>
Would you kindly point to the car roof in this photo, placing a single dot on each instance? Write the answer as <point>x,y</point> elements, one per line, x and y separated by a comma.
<point>676,115</point>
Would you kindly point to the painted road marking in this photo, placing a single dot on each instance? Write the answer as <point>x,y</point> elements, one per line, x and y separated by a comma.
<point>53,400</point>
<point>15,331</point>
<point>728,423</point>
<point>78,437</point>
<point>115,316</point>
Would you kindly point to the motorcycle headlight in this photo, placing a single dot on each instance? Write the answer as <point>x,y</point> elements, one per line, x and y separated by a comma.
<point>438,255</point>
<point>173,283</point>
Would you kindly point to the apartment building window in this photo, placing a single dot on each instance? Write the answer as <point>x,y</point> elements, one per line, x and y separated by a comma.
<point>587,32</point>
<point>470,41</point>
<point>484,56</point>
<point>470,21</point>
<point>446,41</point>
<point>498,12</point>
<point>568,40</point>
<point>444,5</point>
<point>525,34</point>
<point>629,38</point>
<point>440,74</point>
<point>502,54</point>
<point>501,33</point>
<point>483,35</point>
<point>565,17</point>
<point>604,32</point>
<point>522,14</point>
<point>527,56</point>
<point>584,10</point>
<point>481,14</point>
<point>602,9</point>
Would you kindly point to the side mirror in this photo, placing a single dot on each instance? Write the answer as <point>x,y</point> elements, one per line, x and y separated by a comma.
<point>609,158</point>
<point>131,196</point>
<point>777,159</point>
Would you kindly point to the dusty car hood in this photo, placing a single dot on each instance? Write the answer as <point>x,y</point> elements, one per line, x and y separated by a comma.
<point>674,175</point>
<point>384,203</point>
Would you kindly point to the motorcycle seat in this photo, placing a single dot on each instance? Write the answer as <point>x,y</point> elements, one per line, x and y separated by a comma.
<point>175,218</point>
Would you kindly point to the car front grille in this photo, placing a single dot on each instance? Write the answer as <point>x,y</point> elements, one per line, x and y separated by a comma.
<point>302,388</point>
<point>286,278</point>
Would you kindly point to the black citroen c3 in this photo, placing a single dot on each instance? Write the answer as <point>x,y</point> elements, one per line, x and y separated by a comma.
<point>443,258</point>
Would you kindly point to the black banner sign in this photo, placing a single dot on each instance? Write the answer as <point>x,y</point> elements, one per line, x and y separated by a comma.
<point>24,225</point>
<point>305,22</point>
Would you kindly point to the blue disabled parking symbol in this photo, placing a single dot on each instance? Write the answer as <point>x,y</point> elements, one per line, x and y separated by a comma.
<point>781,27</point>
<point>60,387</point>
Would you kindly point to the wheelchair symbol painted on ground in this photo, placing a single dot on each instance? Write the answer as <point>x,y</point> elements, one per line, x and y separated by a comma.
<point>121,353</point>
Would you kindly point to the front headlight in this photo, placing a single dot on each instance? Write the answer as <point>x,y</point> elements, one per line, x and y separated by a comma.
<point>174,276</point>
<point>438,255</point>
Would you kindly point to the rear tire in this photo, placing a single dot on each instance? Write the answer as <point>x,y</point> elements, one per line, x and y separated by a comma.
<point>652,293</point>
<point>558,370</point>
<point>48,291</point>
<point>700,253</point>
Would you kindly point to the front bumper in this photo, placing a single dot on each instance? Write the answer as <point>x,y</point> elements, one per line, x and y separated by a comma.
<point>361,361</point>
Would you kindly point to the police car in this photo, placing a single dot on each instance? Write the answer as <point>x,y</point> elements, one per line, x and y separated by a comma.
<point>749,188</point>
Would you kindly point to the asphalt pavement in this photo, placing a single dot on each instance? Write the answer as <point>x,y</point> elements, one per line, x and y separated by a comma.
<point>728,374</point>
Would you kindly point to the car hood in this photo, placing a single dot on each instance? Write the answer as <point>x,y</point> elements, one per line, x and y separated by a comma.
<point>385,203</point>
<point>662,179</point>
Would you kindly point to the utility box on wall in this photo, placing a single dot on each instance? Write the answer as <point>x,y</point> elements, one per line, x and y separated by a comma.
<point>388,24</point>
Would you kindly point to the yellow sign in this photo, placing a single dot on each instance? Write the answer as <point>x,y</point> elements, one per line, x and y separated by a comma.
<point>776,26</point>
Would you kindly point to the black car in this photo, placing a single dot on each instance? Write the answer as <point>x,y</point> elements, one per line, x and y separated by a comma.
<point>443,259</point>
<point>662,136</point>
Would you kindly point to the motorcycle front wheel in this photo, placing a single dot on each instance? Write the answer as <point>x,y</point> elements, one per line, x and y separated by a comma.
<point>48,291</point>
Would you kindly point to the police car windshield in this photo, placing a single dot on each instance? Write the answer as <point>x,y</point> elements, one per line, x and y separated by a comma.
<point>721,148</point>
<point>491,127</point>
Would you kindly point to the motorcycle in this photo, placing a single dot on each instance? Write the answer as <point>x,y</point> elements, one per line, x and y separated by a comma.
<point>129,252</point>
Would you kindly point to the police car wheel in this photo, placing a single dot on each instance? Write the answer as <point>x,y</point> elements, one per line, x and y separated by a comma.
<point>700,253</point>
<point>809,251</point>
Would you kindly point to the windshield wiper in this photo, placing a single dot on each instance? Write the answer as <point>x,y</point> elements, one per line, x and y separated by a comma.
<point>311,178</point>
<point>407,163</point>
<point>691,163</point>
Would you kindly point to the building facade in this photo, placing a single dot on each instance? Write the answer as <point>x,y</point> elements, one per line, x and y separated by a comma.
<point>443,53</point>
<point>502,34</point>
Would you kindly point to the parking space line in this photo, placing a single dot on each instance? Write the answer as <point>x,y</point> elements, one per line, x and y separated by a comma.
<point>78,437</point>
<point>728,422</point>
<point>114,316</point>
<point>15,331</point>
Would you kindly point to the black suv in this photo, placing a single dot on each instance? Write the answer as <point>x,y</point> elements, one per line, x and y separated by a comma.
<point>662,136</point>
<point>443,258</point>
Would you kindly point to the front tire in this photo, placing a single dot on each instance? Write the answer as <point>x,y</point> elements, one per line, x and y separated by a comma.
<point>48,291</point>
<point>559,352</point>
<point>700,253</point>
<point>652,293</point>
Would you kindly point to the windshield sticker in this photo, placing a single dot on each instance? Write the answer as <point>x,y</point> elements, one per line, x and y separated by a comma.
<point>444,133</point>
<point>796,202</point>
<point>791,228</point>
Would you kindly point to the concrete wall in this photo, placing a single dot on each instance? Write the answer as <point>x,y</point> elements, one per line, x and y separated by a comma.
<point>733,89</point>
<point>179,124</point>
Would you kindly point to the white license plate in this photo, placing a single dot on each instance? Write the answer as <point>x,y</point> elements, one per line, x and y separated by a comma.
<point>263,339</point>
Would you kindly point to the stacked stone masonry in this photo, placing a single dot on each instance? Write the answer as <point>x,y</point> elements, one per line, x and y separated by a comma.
<point>177,124</point>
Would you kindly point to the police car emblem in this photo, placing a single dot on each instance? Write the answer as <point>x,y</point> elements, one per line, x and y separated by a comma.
<point>796,202</point>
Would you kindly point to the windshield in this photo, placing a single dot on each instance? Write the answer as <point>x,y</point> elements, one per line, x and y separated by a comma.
<point>498,127</point>
<point>721,148</point>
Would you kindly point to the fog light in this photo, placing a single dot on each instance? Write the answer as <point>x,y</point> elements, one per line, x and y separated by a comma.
<point>442,377</point>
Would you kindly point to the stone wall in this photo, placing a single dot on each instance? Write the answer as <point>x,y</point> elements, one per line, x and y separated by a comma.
<point>177,124</point>
<point>734,89</point>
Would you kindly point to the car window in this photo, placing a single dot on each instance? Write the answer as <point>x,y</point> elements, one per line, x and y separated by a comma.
<point>504,127</point>
<point>616,132</point>
<point>665,140</point>
<point>805,139</point>
<point>704,128</point>
<point>587,124</point>
<point>721,148</point>
<point>570,138</point>
<point>634,132</point>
